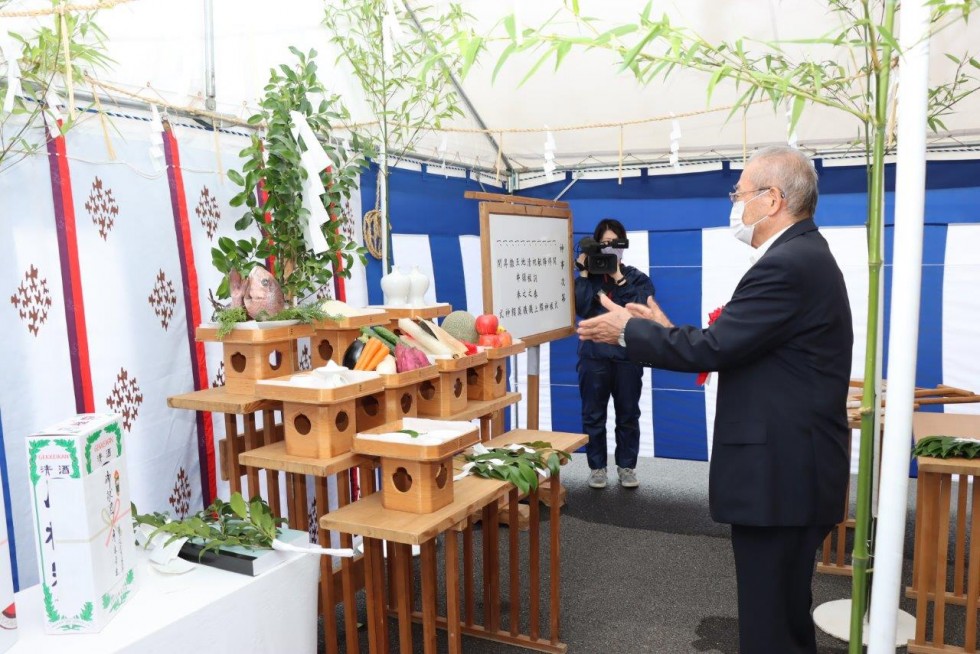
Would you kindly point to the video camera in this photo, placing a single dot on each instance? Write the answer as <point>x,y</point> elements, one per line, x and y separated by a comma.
<point>596,261</point>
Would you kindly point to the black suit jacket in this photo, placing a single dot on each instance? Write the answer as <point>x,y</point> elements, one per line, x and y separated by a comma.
<point>782,346</point>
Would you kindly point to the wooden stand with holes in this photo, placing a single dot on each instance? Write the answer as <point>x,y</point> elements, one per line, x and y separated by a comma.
<point>414,478</point>
<point>319,423</point>
<point>475,500</point>
<point>447,395</point>
<point>331,338</point>
<point>489,381</point>
<point>254,354</point>
<point>399,399</point>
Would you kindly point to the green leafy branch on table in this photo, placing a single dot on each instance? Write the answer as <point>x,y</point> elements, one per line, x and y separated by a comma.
<point>520,465</point>
<point>228,319</point>
<point>222,524</point>
<point>947,447</point>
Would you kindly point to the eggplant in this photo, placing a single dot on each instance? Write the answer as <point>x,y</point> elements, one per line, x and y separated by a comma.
<point>352,353</point>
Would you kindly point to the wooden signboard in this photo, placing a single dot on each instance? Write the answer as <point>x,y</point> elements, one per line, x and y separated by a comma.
<point>527,250</point>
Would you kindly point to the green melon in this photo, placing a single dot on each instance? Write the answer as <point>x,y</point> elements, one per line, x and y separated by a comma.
<point>461,325</point>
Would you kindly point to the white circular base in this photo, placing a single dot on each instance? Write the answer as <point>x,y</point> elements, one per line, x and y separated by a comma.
<point>834,618</point>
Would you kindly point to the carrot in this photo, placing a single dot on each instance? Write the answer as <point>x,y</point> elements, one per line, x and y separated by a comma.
<point>378,357</point>
<point>369,351</point>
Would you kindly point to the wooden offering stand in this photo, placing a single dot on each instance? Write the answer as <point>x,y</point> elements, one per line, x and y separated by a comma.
<point>254,354</point>
<point>489,381</point>
<point>416,477</point>
<point>428,312</point>
<point>319,422</point>
<point>399,399</point>
<point>331,338</point>
<point>447,395</point>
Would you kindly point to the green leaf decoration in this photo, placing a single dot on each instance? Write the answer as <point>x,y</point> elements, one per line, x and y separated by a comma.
<point>521,466</point>
<point>947,447</point>
<point>410,432</point>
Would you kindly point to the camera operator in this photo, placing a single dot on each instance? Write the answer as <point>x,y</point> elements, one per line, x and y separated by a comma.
<point>604,369</point>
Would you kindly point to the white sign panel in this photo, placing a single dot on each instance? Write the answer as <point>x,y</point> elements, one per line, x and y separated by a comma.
<point>529,259</point>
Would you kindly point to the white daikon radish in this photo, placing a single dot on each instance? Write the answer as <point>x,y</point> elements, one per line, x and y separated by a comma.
<point>429,344</point>
<point>446,338</point>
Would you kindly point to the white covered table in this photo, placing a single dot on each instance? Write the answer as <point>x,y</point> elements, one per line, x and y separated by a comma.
<point>205,610</point>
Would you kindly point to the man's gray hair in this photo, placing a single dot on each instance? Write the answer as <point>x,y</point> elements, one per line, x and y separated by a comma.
<point>791,172</point>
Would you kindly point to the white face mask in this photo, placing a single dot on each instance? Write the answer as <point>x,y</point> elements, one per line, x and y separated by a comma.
<point>740,230</point>
<point>617,251</point>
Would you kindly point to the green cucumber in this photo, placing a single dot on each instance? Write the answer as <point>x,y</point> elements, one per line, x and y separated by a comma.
<point>386,334</point>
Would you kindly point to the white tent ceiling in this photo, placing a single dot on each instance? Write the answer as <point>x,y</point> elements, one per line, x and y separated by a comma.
<point>159,50</point>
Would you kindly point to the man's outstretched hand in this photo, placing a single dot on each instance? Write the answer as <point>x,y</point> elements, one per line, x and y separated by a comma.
<point>607,327</point>
<point>650,311</point>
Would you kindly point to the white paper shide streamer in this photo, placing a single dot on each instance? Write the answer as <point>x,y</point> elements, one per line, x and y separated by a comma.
<point>314,160</point>
<point>9,52</point>
<point>549,155</point>
<point>391,32</point>
<point>675,144</point>
<point>479,449</point>
<point>157,153</point>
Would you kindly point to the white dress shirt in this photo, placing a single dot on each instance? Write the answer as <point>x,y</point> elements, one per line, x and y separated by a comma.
<point>762,249</point>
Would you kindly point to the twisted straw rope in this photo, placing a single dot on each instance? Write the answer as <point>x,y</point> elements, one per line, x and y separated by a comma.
<point>63,9</point>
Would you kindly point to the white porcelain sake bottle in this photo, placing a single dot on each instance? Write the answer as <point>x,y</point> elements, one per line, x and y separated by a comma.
<point>396,286</point>
<point>419,285</point>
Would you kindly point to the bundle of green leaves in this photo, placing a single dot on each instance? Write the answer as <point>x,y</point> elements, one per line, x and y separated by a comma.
<point>947,447</point>
<point>222,524</point>
<point>519,466</point>
<point>227,319</point>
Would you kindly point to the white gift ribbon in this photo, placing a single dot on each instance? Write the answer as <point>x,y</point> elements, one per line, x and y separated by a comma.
<point>314,160</point>
<point>10,53</point>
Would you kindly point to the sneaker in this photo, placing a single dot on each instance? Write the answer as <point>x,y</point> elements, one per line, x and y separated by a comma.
<point>627,477</point>
<point>597,479</point>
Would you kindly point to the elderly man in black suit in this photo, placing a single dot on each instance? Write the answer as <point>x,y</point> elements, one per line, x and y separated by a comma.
<point>782,347</point>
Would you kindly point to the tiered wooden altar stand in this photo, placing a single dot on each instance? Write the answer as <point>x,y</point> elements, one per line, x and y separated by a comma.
<point>835,558</point>
<point>932,586</point>
<point>475,499</point>
<point>428,312</point>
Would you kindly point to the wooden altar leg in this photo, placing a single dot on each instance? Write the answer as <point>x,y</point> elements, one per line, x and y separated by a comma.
<point>925,552</point>
<point>403,562</point>
<point>468,598</point>
<point>973,585</point>
<point>429,596</point>
<point>452,592</point>
<point>497,423</point>
<point>251,442</point>
<point>328,598</point>
<point>271,476</point>
<point>347,569</point>
<point>534,563</point>
<point>375,591</point>
<point>555,558</point>
<point>231,442</point>
<point>959,557</point>
<point>515,563</point>
<point>486,427</point>
<point>939,611</point>
<point>491,557</point>
<point>299,514</point>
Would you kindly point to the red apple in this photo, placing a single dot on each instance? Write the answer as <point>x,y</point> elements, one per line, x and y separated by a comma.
<point>487,324</point>
<point>489,340</point>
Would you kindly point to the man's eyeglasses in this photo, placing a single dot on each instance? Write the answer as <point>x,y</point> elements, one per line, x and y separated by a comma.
<point>734,195</point>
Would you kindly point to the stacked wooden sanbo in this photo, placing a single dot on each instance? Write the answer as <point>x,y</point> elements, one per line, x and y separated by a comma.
<point>254,354</point>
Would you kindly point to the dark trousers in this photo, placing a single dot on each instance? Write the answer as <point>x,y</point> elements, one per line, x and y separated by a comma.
<point>597,380</point>
<point>774,569</point>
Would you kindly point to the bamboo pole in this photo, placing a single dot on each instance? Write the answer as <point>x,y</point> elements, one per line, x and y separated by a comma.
<point>862,530</point>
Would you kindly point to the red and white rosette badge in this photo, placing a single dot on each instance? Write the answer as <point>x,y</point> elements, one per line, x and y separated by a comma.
<point>712,317</point>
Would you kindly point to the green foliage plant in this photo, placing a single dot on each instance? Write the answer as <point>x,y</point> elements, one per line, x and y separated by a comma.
<point>222,524</point>
<point>272,180</point>
<point>519,466</point>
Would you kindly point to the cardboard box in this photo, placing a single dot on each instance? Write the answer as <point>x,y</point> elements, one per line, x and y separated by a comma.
<point>83,526</point>
<point>8,613</point>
